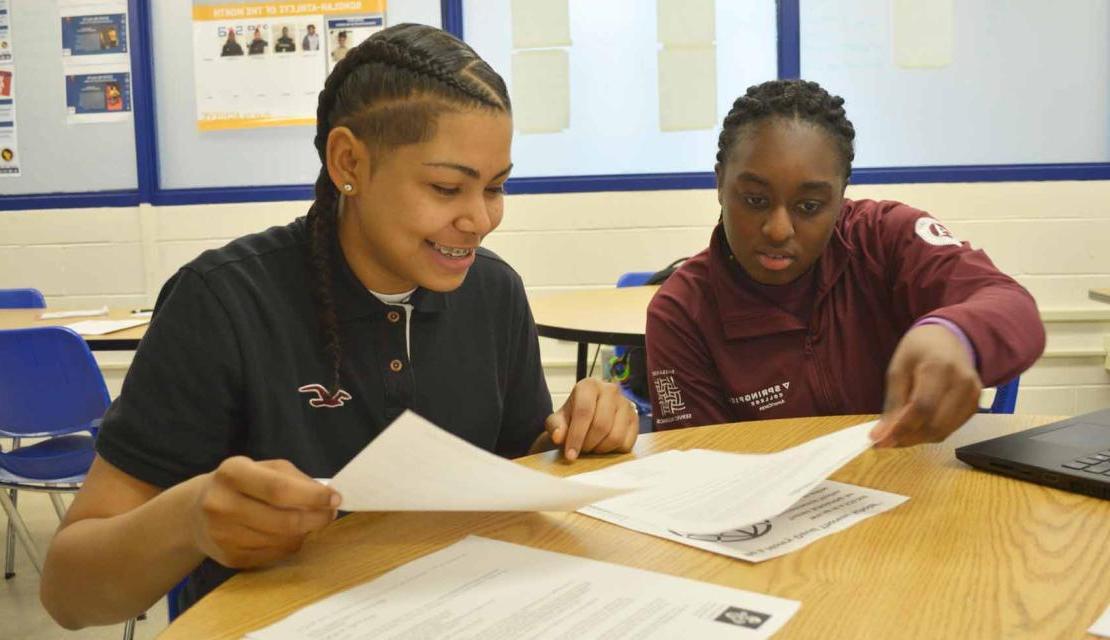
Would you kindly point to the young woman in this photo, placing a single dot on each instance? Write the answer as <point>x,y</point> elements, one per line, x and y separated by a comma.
<point>806,303</point>
<point>277,358</point>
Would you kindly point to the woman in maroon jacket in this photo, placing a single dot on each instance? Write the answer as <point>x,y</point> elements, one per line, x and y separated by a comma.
<point>807,303</point>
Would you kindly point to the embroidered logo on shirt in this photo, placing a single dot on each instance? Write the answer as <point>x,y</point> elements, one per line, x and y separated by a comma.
<point>764,399</point>
<point>323,398</point>
<point>932,231</point>
<point>668,396</point>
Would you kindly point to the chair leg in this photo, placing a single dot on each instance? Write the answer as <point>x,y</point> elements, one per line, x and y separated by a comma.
<point>21,531</point>
<point>9,544</point>
<point>59,506</point>
<point>129,629</point>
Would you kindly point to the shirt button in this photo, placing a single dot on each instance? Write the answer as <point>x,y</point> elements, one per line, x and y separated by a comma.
<point>395,365</point>
<point>393,316</point>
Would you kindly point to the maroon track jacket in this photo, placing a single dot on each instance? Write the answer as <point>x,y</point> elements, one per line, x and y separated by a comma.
<point>719,351</point>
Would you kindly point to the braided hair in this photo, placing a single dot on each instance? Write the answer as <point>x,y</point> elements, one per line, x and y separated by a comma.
<point>791,99</point>
<point>389,91</point>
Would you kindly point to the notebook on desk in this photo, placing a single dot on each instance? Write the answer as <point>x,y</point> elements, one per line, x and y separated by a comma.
<point>1073,454</point>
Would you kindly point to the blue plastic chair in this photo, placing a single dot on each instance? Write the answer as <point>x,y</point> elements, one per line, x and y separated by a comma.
<point>1005,398</point>
<point>21,299</point>
<point>50,387</point>
<point>633,279</point>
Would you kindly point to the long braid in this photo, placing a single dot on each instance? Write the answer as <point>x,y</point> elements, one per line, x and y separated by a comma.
<point>795,99</point>
<point>382,90</point>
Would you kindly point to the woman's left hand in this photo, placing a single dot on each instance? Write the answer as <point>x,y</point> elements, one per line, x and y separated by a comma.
<point>596,418</point>
<point>932,388</point>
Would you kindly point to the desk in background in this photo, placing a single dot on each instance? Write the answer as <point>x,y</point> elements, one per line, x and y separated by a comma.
<point>602,316</point>
<point>970,555</point>
<point>126,340</point>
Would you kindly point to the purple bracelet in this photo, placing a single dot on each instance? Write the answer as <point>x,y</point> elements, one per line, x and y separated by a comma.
<point>954,328</point>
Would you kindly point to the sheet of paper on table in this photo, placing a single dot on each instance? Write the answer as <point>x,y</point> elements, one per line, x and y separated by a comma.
<point>481,588</point>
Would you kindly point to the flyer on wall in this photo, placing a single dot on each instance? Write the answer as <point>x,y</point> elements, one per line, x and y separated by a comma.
<point>9,149</point>
<point>5,32</point>
<point>96,60</point>
<point>98,97</point>
<point>262,64</point>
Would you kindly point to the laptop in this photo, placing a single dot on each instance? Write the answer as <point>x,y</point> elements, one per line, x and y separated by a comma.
<point>1073,454</point>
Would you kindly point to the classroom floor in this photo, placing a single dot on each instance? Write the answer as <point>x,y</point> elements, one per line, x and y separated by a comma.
<point>20,610</point>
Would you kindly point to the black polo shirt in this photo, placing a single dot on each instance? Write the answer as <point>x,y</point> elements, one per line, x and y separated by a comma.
<point>231,360</point>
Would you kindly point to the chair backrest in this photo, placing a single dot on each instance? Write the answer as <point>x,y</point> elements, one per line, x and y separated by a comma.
<point>1005,397</point>
<point>634,278</point>
<point>49,382</point>
<point>21,299</point>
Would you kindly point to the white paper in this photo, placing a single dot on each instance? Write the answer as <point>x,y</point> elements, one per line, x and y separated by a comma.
<point>1101,627</point>
<point>77,313</point>
<point>713,491</point>
<point>481,588</point>
<point>541,91</point>
<point>686,22</point>
<point>415,466</point>
<point>540,23</point>
<point>829,508</point>
<point>924,33</point>
<point>101,327</point>
<point>688,88</point>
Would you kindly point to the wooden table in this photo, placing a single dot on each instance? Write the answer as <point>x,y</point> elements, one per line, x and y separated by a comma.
<point>126,340</point>
<point>1102,295</point>
<point>970,555</point>
<point>601,316</point>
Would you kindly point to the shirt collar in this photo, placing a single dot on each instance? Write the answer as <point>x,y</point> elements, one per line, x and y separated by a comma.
<point>353,300</point>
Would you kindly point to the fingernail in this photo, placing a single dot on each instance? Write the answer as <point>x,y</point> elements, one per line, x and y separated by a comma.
<point>571,454</point>
<point>335,500</point>
<point>558,435</point>
<point>880,431</point>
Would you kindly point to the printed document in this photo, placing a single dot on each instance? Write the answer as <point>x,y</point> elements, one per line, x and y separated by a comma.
<point>481,588</point>
<point>416,466</point>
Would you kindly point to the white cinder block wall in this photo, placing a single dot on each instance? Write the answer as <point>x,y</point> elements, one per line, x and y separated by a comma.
<point>1052,236</point>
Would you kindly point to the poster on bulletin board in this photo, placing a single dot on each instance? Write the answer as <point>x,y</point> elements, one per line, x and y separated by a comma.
<point>263,64</point>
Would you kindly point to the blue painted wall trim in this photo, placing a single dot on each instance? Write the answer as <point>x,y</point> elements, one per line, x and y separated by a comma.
<point>451,12</point>
<point>142,96</point>
<point>126,198</point>
<point>219,195</point>
<point>789,23</point>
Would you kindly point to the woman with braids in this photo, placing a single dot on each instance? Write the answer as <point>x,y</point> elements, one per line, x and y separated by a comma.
<point>807,303</point>
<point>277,358</point>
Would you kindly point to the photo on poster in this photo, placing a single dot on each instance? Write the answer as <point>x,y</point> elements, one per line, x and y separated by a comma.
<point>98,97</point>
<point>311,39</point>
<point>91,38</point>
<point>259,40</point>
<point>286,40</point>
<point>5,83</point>
<point>348,32</point>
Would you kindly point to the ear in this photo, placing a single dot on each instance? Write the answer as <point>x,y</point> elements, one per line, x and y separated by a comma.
<point>719,172</point>
<point>348,160</point>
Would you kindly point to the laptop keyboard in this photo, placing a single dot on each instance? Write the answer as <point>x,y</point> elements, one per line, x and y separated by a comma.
<point>1096,463</point>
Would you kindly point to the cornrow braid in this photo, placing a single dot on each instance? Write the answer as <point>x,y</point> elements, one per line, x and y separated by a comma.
<point>389,91</point>
<point>793,99</point>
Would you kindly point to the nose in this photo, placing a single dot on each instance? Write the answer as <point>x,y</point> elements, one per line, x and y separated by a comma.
<point>476,218</point>
<point>778,227</point>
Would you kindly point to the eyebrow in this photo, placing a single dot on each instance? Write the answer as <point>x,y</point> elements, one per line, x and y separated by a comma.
<point>812,184</point>
<point>469,171</point>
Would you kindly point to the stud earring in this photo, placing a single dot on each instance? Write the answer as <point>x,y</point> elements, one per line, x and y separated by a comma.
<point>348,187</point>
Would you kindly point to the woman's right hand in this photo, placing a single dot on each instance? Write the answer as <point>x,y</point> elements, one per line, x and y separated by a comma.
<point>249,513</point>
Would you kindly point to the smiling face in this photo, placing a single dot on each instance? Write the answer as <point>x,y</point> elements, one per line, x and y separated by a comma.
<point>781,189</point>
<point>420,210</point>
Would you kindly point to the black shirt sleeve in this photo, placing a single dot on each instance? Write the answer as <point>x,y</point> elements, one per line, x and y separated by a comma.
<point>527,400</point>
<point>179,413</point>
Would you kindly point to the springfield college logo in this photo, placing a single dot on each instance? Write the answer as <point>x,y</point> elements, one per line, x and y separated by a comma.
<point>671,405</point>
<point>764,399</point>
